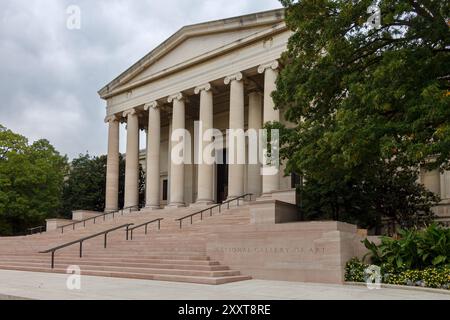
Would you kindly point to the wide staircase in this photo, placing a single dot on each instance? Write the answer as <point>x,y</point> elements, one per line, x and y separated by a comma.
<point>168,253</point>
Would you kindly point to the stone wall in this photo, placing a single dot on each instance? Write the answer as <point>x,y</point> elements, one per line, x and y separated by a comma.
<point>296,251</point>
<point>276,246</point>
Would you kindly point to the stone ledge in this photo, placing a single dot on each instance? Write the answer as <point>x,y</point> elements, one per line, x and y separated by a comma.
<point>273,212</point>
<point>79,215</point>
<point>53,224</point>
<point>394,286</point>
<point>12,298</point>
<point>287,195</point>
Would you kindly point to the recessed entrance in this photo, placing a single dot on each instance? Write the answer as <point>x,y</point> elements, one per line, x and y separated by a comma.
<point>222,176</point>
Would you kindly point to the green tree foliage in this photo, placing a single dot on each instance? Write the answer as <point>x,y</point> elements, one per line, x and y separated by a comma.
<point>85,186</point>
<point>413,249</point>
<point>370,105</point>
<point>31,180</point>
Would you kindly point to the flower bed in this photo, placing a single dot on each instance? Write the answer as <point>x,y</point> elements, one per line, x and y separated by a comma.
<point>415,258</point>
<point>431,277</point>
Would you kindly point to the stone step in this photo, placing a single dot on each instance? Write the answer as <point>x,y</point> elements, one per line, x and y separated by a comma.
<point>113,260</point>
<point>112,254</point>
<point>127,269</point>
<point>144,276</point>
<point>167,264</point>
<point>169,254</point>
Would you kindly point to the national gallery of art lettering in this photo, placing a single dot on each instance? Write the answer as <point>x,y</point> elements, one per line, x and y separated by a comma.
<point>201,222</point>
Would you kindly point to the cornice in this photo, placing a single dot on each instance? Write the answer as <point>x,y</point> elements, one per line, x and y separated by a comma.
<point>273,18</point>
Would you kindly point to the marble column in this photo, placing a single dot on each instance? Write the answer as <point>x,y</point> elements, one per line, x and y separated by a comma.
<point>236,170</point>
<point>205,181</point>
<point>254,178</point>
<point>153,190</point>
<point>112,167</point>
<point>169,161</point>
<point>270,182</point>
<point>132,160</point>
<point>177,170</point>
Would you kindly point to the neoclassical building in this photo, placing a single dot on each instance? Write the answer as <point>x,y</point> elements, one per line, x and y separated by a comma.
<point>221,73</point>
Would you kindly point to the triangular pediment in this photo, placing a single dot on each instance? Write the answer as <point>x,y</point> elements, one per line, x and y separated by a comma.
<point>194,42</point>
<point>195,47</point>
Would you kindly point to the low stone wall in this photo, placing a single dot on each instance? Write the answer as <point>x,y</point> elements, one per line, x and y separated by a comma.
<point>298,251</point>
<point>273,212</point>
<point>287,196</point>
<point>84,214</point>
<point>53,224</point>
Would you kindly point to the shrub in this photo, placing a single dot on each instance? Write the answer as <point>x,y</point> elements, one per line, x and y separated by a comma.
<point>413,250</point>
<point>432,277</point>
<point>354,270</point>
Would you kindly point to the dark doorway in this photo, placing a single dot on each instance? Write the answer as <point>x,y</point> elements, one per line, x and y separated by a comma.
<point>165,189</point>
<point>222,176</point>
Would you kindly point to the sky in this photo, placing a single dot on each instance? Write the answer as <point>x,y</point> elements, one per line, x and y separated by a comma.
<point>50,74</point>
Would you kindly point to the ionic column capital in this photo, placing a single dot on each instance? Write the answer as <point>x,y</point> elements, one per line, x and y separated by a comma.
<point>129,112</point>
<point>204,87</point>
<point>234,77</point>
<point>111,118</point>
<point>151,105</point>
<point>274,65</point>
<point>177,96</point>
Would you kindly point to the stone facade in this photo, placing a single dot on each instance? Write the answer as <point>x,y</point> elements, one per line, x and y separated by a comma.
<point>221,73</point>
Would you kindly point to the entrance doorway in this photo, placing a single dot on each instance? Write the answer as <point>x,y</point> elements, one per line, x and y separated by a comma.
<point>222,176</point>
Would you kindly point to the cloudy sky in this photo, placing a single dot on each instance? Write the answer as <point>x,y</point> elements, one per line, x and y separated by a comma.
<point>50,75</point>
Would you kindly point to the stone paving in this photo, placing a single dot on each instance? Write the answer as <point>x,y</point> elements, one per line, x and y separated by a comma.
<point>44,286</point>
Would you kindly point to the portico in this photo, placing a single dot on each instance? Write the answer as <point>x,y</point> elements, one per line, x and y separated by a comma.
<point>220,73</point>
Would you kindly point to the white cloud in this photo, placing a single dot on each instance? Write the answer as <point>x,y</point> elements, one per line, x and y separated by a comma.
<point>49,75</point>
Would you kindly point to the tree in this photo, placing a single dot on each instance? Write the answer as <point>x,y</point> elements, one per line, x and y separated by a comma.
<point>85,186</point>
<point>31,179</point>
<point>370,106</point>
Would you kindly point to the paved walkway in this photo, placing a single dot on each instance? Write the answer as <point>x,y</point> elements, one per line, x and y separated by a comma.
<point>44,286</point>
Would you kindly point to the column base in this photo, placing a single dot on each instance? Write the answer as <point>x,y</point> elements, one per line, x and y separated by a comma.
<point>111,210</point>
<point>152,208</point>
<point>129,210</point>
<point>202,203</point>
<point>175,205</point>
<point>235,201</point>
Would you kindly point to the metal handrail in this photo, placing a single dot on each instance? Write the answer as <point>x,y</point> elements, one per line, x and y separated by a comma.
<point>80,241</point>
<point>40,228</point>
<point>145,224</point>
<point>73,224</point>
<point>210,209</point>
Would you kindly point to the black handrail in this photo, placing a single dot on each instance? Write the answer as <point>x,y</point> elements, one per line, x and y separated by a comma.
<point>73,224</point>
<point>210,209</point>
<point>80,241</point>
<point>32,230</point>
<point>145,224</point>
